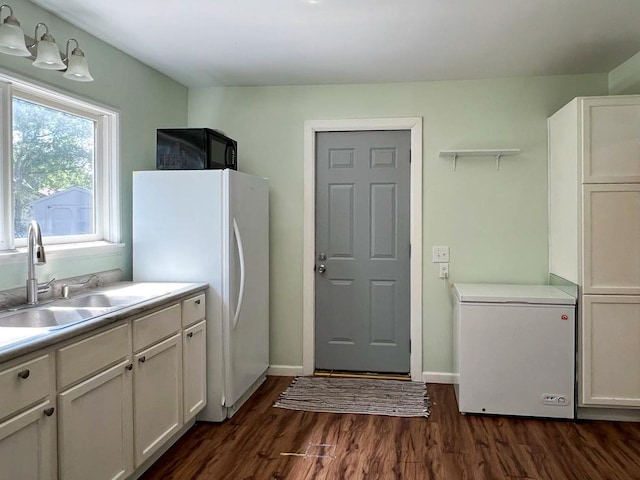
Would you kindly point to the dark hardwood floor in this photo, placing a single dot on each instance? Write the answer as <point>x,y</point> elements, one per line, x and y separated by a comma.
<point>447,445</point>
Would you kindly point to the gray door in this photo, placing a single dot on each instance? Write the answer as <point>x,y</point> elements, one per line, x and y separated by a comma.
<point>362,251</point>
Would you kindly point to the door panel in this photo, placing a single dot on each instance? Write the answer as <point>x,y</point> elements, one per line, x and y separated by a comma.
<point>611,375</point>
<point>362,238</point>
<point>27,445</point>
<point>341,221</point>
<point>610,140</point>
<point>611,232</point>
<point>95,431</point>
<point>245,328</point>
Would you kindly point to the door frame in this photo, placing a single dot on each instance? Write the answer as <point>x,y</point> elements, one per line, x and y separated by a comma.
<point>311,127</point>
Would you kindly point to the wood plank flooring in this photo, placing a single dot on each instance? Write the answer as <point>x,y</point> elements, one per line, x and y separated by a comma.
<point>446,446</point>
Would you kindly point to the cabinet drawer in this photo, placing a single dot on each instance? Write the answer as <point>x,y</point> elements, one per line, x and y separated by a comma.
<point>92,354</point>
<point>148,330</point>
<point>25,383</point>
<point>193,310</point>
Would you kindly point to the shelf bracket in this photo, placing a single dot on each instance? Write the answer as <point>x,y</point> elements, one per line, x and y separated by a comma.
<point>498,161</point>
<point>455,161</point>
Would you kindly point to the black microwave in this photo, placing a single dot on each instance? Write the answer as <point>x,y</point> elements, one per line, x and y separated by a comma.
<point>195,149</point>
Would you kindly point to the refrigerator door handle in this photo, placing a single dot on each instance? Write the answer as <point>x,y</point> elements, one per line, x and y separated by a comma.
<point>236,233</point>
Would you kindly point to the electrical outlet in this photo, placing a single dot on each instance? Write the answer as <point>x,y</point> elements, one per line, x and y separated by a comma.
<point>440,254</point>
<point>444,270</point>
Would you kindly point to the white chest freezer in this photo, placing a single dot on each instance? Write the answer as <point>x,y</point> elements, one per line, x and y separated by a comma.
<point>514,350</point>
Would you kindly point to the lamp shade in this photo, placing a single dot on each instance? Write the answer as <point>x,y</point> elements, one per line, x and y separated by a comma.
<point>78,69</point>
<point>48,55</point>
<point>12,38</point>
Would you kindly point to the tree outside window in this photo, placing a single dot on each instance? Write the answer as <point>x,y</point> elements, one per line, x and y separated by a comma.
<point>53,170</point>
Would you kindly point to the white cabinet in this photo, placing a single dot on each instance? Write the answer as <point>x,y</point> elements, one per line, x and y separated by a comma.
<point>194,369</point>
<point>611,368</point>
<point>594,233</point>
<point>95,415</point>
<point>610,139</point>
<point>121,396</point>
<point>157,396</point>
<point>28,419</point>
<point>27,444</point>
<point>95,434</point>
<point>611,234</point>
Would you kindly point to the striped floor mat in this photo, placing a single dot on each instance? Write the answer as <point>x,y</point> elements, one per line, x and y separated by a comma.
<point>347,395</point>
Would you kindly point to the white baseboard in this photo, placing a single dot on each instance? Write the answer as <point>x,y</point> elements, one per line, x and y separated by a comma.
<point>439,377</point>
<point>285,370</point>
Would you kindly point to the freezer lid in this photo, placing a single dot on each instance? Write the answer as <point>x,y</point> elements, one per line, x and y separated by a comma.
<point>531,294</point>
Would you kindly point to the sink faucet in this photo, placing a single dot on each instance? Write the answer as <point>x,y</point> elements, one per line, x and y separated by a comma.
<point>35,257</point>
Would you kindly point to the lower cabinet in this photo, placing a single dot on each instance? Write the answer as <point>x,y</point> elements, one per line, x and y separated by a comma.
<point>194,369</point>
<point>122,394</point>
<point>157,396</point>
<point>94,429</point>
<point>610,357</point>
<point>27,444</point>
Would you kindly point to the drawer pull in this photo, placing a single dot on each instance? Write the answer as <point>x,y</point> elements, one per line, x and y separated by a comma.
<point>190,334</point>
<point>198,302</point>
<point>142,359</point>
<point>49,411</point>
<point>129,367</point>
<point>24,373</point>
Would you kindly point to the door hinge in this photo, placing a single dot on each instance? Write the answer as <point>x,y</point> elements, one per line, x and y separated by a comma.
<point>409,345</point>
<point>409,250</point>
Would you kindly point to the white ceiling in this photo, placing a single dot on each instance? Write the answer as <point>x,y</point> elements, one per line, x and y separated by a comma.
<point>292,42</point>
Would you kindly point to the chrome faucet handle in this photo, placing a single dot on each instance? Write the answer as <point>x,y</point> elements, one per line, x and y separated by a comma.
<point>45,287</point>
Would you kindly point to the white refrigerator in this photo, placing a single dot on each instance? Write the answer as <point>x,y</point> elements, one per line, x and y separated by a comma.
<point>212,226</point>
<point>514,350</point>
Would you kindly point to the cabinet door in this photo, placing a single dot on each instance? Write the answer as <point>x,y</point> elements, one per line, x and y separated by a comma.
<point>610,140</point>
<point>611,232</point>
<point>27,444</point>
<point>95,428</point>
<point>157,396</point>
<point>194,369</point>
<point>610,364</point>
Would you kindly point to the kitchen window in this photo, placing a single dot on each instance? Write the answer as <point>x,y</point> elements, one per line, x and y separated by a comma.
<point>59,167</point>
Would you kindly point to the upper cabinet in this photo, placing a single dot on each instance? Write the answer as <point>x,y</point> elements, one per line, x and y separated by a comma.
<point>611,140</point>
<point>594,141</point>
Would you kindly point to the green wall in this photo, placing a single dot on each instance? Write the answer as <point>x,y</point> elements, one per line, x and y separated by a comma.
<point>146,100</point>
<point>625,79</point>
<point>494,221</point>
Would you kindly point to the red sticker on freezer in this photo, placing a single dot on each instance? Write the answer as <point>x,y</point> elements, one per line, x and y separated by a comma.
<point>564,317</point>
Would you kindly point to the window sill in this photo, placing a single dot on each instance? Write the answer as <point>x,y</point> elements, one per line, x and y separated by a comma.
<point>66,250</point>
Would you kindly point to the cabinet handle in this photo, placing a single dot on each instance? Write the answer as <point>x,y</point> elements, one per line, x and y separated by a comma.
<point>197,302</point>
<point>24,373</point>
<point>190,334</point>
<point>129,367</point>
<point>49,411</point>
<point>142,359</point>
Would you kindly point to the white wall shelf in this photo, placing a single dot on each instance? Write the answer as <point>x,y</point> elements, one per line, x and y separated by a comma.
<point>497,153</point>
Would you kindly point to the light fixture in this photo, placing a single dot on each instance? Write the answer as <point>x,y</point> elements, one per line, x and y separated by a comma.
<point>11,36</point>
<point>43,50</point>
<point>77,68</point>
<point>48,53</point>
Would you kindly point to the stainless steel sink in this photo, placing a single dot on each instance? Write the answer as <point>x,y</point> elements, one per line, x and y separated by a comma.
<point>101,300</point>
<point>50,317</point>
<point>64,312</point>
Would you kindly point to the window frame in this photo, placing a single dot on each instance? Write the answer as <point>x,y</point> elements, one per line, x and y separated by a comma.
<point>106,163</point>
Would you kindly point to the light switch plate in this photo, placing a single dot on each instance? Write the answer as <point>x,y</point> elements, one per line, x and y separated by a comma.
<point>440,254</point>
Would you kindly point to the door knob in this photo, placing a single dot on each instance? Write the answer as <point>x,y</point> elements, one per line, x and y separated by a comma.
<point>322,268</point>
